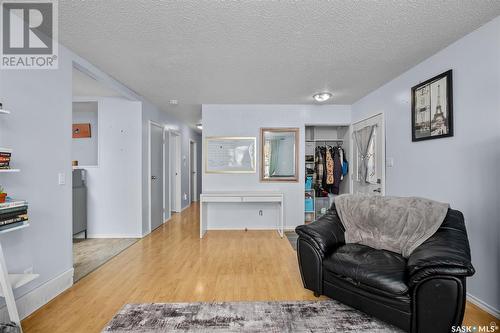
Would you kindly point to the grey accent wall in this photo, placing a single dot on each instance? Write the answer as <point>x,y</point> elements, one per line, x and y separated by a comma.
<point>462,170</point>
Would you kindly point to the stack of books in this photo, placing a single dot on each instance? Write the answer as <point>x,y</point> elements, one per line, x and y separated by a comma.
<point>5,154</point>
<point>13,213</point>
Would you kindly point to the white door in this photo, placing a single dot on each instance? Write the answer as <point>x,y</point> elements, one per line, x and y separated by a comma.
<point>368,142</point>
<point>175,172</point>
<point>156,165</point>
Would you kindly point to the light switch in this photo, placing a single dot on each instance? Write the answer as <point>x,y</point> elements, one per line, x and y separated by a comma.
<point>62,179</point>
<point>389,162</point>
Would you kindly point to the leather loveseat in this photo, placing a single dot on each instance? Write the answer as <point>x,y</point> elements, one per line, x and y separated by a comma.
<point>422,293</point>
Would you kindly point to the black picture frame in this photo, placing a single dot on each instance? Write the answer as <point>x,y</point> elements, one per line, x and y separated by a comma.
<point>432,108</point>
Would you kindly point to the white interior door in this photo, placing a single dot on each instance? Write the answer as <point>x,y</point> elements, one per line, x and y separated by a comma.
<point>156,175</point>
<point>371,178</point>
<point>175,174</point>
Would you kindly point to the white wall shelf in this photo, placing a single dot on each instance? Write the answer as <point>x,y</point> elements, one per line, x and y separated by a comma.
<point>22,226</point>
<point>4,111</point>
<point>9,170</point>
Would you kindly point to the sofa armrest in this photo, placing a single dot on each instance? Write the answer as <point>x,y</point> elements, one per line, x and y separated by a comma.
<point>447,252</point>
<point>325,234</point>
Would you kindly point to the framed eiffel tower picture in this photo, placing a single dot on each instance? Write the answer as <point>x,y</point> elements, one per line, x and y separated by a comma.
<point>432,108</point>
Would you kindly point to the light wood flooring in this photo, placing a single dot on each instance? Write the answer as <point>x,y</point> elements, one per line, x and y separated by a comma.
<point>174,265</point>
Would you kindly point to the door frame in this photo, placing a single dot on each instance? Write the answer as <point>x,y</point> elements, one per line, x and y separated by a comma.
<point>176,136</point>
<point>193,144</point>
<point>150,125</point>
<point>382,185</point>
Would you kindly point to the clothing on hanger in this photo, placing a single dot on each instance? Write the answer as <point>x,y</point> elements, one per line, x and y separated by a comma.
<point>329,166</point>
<point>337,171</point>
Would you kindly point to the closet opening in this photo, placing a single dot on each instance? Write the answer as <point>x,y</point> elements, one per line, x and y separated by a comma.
<point>327,154</point>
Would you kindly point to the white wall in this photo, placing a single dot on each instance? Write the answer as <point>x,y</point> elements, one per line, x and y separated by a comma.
<point>462,170</point>
<point>246,120</point>
<point>84,150</point>
<point>114,196</point>
<point>39,131</point>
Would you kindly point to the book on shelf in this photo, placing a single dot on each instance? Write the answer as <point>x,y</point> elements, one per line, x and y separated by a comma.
<point>4,159</point>
<point>10,203</point>
<point>13,209</point>
<point>4,164</point>
<point>12,214</point>
<point>12,225</point>
<point>20,218</point>
<point>5,151</point>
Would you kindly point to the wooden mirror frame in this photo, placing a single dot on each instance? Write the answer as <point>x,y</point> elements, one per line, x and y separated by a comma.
<point>295,177</point>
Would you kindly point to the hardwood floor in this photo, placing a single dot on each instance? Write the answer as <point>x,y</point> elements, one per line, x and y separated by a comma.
<point>174,265</point>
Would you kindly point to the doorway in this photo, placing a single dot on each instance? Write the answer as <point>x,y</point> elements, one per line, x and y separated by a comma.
<point>368,146</point>
<point>193,172</point>
<point>156,175</point>
<point>175,171</point>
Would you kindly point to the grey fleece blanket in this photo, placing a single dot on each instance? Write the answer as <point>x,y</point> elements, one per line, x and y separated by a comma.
<point>396,224</point>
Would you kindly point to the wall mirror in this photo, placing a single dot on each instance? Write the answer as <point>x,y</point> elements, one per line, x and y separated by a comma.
<point>279,154</point>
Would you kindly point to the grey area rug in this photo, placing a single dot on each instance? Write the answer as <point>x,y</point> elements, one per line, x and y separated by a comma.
<point>91,253</point>
<point>292,238</point>
<point>273,317</point>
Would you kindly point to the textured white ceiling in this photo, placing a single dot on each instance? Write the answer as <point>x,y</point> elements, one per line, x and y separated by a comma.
<point>261,51</point>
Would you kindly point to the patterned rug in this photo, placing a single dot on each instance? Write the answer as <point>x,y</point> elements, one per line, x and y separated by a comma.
<point>272,317</point>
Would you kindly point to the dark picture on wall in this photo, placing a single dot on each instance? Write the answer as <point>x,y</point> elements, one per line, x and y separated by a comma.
<point>432,108</point>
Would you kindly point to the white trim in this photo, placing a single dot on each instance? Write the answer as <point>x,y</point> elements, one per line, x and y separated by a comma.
<point>152,123</point>
<point>36,298</point>
<point>183,209</point>
<point>116,235</point>
<point>484,306</point>
<point>194,144</point>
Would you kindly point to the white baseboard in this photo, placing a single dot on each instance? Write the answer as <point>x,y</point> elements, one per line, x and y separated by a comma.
<point>484,306</point>
<point>114,236</point>
<point>183,209</point>
<point>35,299</point>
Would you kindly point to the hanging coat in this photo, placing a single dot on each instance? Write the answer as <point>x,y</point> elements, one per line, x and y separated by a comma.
<point>329,166</point>
<point>337,171</point>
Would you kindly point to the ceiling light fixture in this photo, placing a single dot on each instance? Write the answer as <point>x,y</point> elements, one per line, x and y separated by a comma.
<point>199,126</point>
<point>322,97</point>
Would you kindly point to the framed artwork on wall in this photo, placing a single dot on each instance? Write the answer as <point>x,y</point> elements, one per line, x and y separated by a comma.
<point>432,108</point>
<point>230,154</point>
<point>81,131</point>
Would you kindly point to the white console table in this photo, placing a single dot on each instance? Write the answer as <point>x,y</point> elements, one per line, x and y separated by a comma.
<point>239,197</point>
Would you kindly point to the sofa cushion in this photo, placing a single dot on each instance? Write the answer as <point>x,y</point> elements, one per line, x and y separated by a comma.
<point>373,270</point>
